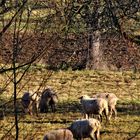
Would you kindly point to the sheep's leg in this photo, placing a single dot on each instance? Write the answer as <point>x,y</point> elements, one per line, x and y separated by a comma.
<point>26,110</point>
<point>106,115</point>
<point>110,114</point>
<point>29,109</point>
<point>115,112</point>
<point>53,108</point>
<point>46,109</point>
<point>86,116</point>
<point>97,135</point>
<point>42,108</point>
<point>92,136</point>
<point>33,107</point>
<point>36,109</point>
<point>100,117</point>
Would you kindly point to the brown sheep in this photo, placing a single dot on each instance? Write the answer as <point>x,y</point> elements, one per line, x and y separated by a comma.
<point>48,98</point>
<point>30,103</point>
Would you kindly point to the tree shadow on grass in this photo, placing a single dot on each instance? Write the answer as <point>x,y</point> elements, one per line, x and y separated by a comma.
<point>135,135</point>
<point>64,111</point>
<point>64,108</point>
<point>131,108</point>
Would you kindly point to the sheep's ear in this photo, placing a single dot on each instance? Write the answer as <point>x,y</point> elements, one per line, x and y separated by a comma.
<point>80,97</point>
<point>107,96</point>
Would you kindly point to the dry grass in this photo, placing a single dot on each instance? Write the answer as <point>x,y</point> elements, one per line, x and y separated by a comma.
<point>70,85</point>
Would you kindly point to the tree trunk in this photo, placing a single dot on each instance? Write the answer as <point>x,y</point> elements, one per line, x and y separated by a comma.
<point>94,57</point>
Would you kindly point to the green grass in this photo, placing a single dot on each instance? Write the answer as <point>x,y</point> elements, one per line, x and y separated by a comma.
<point>69,85</point>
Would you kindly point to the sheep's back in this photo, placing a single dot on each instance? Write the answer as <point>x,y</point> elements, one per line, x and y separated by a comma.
<point>101,95</point>
<point>102,103</point>
<point>26,96</point>
<point>95,124</point>
<point>110,97</point>
<point>112,101</point>
<point>81,128</point>
<point>91,106</point>
<point>60,134</point>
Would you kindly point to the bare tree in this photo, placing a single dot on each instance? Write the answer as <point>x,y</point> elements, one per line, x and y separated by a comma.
<point>13,38</point>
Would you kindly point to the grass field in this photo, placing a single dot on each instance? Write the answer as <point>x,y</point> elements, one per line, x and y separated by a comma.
<point>69,85</point>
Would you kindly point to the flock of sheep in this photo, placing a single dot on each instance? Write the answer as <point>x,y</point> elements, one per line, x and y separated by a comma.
<point>88,127</point>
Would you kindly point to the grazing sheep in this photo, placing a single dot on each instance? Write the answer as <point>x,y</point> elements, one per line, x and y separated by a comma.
<point>48,98</point>
<point>94,106</point>
<point>86,128</point>
<point>30,103</point>
<point>112,101</point>
<point>60,134</point>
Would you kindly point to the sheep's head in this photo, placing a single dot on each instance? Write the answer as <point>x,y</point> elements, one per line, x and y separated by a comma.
<point>47,93</point>
<point>112,96</point>
<point>81,97</point>
<point>84,97</point>
<point>94,96</point>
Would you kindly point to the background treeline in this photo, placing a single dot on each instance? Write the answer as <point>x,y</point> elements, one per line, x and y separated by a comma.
<point>72,52</point>
<point>77,34</point>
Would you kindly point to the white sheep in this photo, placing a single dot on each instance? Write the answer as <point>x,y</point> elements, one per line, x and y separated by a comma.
<point>59,134</point>
<point>112,101</point>
<point>94,106</point>
<point>30,102</point>
<point>86,128</point>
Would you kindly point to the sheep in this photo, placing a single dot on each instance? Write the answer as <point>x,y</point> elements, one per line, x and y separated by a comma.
<point>85,128</point>
<point>112,101</point>
<point>30,102</point>
<point>59,134</point>
<point>48,98</point>
<point>94,106</point>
